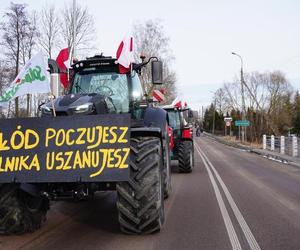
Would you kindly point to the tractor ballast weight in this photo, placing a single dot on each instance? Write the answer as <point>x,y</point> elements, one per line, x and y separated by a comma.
<point>105,136</point>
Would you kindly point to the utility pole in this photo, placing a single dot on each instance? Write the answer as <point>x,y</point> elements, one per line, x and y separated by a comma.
<point>202,114</point>
<point>243,94</point>
<point>243,102</point>
<point>214,118</point>
<point>244,134</point>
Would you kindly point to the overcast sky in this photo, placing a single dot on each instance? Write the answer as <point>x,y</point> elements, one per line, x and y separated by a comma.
<point>266,33</point>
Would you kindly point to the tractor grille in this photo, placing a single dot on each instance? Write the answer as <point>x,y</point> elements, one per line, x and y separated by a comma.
<point>61,113</point>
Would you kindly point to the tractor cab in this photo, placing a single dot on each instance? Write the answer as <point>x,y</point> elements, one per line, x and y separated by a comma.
<point>98,87</point>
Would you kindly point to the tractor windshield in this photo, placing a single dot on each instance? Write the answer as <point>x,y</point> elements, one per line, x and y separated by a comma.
<point>174,119</point>
<point>110,84</point>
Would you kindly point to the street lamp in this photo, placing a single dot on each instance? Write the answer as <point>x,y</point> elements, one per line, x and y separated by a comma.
<point>242,89</point>
<point>233,53</point>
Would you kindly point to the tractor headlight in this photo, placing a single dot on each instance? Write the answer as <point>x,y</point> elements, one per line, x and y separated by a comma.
<point>46,110</point>
<point>83,108</point>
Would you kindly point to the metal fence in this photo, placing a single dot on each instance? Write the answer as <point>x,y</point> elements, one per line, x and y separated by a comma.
<point>287,145</point>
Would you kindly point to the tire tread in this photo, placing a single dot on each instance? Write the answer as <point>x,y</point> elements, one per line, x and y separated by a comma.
<point>140,202</point>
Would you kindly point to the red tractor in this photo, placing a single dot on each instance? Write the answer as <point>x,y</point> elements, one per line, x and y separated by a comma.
<point>183,146</point>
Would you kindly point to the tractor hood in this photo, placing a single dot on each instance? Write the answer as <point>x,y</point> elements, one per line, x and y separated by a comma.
<point>73,100</point>
<point>76,104</point>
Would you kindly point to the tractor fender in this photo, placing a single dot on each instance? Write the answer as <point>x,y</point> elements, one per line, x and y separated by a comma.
<point>155,124</point>
<point>156,118</point>
<point>53,66</point>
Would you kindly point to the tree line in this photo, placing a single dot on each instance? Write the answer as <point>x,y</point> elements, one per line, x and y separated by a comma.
<point>271,105</point>
<point>24,31</point>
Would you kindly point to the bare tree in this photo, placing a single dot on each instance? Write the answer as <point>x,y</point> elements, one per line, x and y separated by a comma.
<point>267,99</point>
<point>33,34</point>
<point>232,92</point>
<point>28,44</point>
<point>14,29</point>
<point>170,80</point>
<point>221,100</point>
<point>271,93</point>
<point>6,75</point>
<point>78,23</point>
<point>150,39</point>
<point>50,28</point>
<point>30,36</point>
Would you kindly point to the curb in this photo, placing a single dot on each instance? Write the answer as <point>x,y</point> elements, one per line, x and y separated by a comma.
<point>285,159</point>
<point>228,143</point>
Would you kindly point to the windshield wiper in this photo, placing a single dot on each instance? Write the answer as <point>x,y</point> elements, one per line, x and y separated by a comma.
<point>77,87</point>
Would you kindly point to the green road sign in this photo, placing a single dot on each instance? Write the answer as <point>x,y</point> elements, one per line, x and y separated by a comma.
<point>242,123</point>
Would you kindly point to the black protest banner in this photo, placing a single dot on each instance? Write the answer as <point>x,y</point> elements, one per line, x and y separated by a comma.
<point>65,149</point>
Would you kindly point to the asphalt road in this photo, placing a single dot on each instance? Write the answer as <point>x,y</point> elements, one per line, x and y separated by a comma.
<point>232,200</point>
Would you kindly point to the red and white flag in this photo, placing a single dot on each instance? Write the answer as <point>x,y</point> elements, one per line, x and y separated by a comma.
<point>125,54</point>
<point>179,103</point>
<point>63,64</point>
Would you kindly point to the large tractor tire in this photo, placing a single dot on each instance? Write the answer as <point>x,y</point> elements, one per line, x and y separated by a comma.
<point>19,211</point>
<point>167,169</point>
<point>186,156</point>
<point>141,199</point>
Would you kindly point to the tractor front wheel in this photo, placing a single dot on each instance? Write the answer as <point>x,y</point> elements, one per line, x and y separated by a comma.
<point>141,199</point>
<point>20,212</point>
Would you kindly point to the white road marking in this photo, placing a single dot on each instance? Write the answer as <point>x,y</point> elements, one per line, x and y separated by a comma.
<point>243,224</point>
<point>228,223</point>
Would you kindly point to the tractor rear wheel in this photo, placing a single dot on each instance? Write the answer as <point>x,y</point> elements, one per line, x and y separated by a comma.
<point>186,156</point>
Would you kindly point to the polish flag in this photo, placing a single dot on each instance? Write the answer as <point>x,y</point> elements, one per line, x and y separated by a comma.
<point>125,54</point>
<point>63,64</point>
<point>177,103</point>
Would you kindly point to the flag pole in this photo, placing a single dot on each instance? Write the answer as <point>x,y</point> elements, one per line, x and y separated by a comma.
<point>69,59</point>
<point>8,109</point>
<point>52,103</point>
<point>74,30</point>
<point>72,47</point>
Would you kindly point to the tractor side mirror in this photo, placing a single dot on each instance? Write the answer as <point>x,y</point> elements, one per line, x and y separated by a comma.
<point>52,64</point>
<point>191,115</point>
<point>157,72</point>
